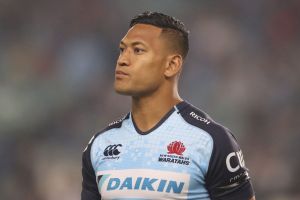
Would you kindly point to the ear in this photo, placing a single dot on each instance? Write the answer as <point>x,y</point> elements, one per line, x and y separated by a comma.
<point>174,65</point>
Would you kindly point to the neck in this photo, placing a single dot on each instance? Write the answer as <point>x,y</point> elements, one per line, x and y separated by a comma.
<point>148,111</point>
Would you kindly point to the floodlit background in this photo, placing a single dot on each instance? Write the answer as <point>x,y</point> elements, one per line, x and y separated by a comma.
<point>57,61</point>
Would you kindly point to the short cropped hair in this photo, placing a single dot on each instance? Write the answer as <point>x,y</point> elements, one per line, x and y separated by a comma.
<point>172,27</point>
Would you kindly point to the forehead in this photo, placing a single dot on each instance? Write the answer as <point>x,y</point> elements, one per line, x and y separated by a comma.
<point>142,32</point>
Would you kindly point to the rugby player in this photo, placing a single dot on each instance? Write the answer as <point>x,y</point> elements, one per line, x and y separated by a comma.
<point>164,148</point>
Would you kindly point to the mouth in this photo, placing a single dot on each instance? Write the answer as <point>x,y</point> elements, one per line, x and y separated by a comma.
<point>120,74</point>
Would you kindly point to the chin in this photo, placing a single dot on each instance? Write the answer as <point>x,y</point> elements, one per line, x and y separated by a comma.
<point>122,91</point>
<point>130,91</point>
<point>127,92</point>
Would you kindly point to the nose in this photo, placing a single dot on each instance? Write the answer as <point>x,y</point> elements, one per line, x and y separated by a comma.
<point>123,59</point>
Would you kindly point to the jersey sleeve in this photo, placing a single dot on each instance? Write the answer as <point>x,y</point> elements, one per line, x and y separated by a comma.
<point>89,185</point>
<point>227,177</point>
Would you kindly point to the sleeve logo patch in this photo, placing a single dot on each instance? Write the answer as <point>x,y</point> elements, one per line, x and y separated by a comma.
<point>234,161</point>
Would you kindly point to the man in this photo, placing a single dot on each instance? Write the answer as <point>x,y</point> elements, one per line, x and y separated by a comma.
<point>165,148</point>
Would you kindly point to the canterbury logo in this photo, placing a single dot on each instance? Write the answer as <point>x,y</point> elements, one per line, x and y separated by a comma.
<point>112,150</point>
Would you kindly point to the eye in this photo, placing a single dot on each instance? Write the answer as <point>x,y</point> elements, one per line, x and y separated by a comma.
<point>138,50</point>
<point>121,49</point>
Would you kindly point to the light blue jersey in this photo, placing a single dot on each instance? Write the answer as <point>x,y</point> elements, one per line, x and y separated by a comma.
<point>185,156</point>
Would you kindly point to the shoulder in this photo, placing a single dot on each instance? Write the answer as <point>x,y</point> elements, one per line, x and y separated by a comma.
<point>196,117</point>
<point>113,125</point>
<point>89,185</point>
<point>227,176</point>
<point>224,142</point>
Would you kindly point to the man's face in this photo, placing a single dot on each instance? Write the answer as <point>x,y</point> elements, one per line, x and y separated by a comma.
<point>142,60</point>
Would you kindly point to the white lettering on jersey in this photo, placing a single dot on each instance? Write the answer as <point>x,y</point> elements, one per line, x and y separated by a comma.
<point>199,118</point>
<point>142,183</point>
<point>237,154</point>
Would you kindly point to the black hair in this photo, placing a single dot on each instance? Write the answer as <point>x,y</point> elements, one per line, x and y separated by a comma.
<point>173,27</point>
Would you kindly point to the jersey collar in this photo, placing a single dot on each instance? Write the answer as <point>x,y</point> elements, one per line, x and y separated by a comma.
<point>177,107</point>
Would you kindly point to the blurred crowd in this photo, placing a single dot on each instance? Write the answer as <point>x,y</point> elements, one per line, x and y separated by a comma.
<point>57,62</point>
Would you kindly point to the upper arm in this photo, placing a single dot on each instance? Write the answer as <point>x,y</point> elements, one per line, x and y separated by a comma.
<point>89,185</point>
<point>227,177</point>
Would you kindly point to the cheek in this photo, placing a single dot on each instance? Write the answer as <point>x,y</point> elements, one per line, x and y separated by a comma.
<point>150,72</point>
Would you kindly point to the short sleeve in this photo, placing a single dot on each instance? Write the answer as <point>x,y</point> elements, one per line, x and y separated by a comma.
<point>227,177</point>
<point>89,185</point>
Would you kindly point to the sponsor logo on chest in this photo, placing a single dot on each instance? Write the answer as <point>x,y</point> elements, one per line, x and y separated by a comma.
<point>175,154</point>
<point>112,152</point>
<point>137,183</point>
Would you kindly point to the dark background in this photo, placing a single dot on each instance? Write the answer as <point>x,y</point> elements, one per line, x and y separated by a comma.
<point>57,60</point>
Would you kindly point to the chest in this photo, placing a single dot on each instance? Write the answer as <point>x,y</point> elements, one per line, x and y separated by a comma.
<point>156,165</point>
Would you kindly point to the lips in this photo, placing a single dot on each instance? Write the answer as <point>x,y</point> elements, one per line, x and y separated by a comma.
<point>120,74</point>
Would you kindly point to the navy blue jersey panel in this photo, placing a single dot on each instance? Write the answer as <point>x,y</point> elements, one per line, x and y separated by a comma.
<point>227,176</point>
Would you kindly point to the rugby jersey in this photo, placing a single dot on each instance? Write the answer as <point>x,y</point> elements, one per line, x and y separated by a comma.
<point>186,155</point>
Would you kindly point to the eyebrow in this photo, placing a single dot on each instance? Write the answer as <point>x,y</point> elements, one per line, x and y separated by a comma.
<point>133,43</point>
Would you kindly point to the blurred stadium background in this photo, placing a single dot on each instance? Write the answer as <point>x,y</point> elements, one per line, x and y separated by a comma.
<point>57,60</point>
